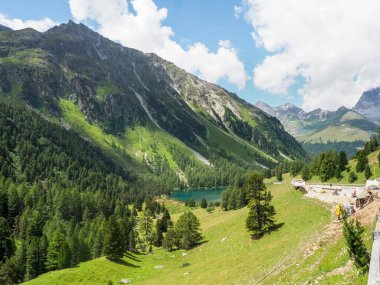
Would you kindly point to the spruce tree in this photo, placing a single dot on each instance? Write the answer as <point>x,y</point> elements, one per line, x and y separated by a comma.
<point>367,172</point>
<point>362,161</point>
<point>171,240</point>
<point>113,244</point>
<point>353,234</point>
<point>305,172</point>
<point>342,161</point>
<point>33,259</point>
<point>203,203</point>
<point>64,256</point>
<point>167,220</point>
<point>187,229</point>
<point>260,218</point>
<point>145,224</point>
<point>160,228</point>
<point>7,246</point>
<point>53,251</point>
<point>279,174</point>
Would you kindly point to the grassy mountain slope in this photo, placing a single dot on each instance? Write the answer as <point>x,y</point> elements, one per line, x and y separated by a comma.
<point>117,90</point>
<point>346,125</point>
<point>226,239</point>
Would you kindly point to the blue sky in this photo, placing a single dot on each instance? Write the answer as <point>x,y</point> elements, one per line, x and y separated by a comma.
<point>309,53</point>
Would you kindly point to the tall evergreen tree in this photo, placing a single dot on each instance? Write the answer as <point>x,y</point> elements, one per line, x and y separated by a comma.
<point>305,172</point>
<point>7,246</point>
<point>367,172</point>
<point>203,203</point>
<point>187,229</point>
<point>362,161</point>
<point>342,161</point>
<point>260,219</point>
<point>113,244</point>
<point>353,234</point>
<point>64,256</point>
<point>53,251</point>
<point>160,229</point>
<point>33,259</point>
<point>145,223</point>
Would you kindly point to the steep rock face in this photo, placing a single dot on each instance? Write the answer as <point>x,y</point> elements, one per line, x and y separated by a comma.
<point>266,108</point>
<point>369,105</point>
<point>117,87</point>
<point>233,114</point>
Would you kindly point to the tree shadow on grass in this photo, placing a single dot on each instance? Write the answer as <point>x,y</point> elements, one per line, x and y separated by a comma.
<point>199,243</point>
<point>130,256</point>
<point>124,262</point>
<point>276,227</point>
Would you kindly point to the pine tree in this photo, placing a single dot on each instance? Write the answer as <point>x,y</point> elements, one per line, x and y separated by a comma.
<point>305,172</point>
<point>53,252</point>
<point>362,161</point>
<point>64,256</point>
<point>342,161</point>
<point>353,233</point>
<point>232,200</point>
<point>367,172</point>
<point>167,220</point>
<point>352,177</point>
<point>145,223</point>
<point>33,259</point>
<point>279,174</point>
<point>171,240</point>
<point>225,198</point>
<point>113,244</point>
<point>203,203</point>
<point>7,246</point>
<point>187,229</point>
<point>160,228</point>
<point>260,219</point>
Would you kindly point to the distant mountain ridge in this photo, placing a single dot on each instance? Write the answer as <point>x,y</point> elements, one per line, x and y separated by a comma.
<point>320,125</point>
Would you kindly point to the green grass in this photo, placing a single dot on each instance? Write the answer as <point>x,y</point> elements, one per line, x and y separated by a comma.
<point>134,142</point>
<point>108,143</point>
<point>321,265</point>
<point>339,133</point>
<point>229,142</point>
<point>236,260</point>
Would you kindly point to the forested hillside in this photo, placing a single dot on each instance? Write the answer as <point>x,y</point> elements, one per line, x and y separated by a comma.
<point>57,194</point>
<point>126,101</point>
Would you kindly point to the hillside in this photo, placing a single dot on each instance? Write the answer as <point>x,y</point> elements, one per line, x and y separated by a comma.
<point>139,104</point>
<point>302,240</point>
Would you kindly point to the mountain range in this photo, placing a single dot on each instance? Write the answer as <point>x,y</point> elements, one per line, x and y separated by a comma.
<point>322,126</point>
<point>142,110</point>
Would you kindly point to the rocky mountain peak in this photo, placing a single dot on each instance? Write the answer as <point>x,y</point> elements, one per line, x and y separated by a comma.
<point>290,109</point>
<point>369,105</point>
<point>4,28</point>
<point>266,108</point>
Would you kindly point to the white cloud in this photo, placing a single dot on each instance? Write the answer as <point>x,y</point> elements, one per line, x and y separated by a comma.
<point>332,45</point>
<point>18,24</point>
<point>140,26</point>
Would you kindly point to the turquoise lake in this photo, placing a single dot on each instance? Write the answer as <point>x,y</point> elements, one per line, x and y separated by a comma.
<point>210,194</point>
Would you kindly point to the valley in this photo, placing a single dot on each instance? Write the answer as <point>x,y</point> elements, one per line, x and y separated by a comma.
<point>117,166</point>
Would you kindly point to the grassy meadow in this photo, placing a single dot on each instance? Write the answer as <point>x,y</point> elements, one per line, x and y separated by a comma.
<point>228,255</point>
